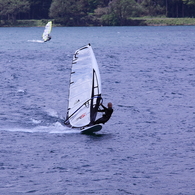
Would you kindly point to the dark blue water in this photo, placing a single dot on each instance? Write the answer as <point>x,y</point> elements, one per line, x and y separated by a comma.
<point>147,147</point>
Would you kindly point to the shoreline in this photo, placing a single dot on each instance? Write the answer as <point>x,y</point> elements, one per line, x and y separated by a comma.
<point>137,21</point>
<point>161,21</point>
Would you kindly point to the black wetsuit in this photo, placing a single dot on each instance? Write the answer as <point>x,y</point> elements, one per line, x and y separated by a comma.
<point>48,38</point>
<point>108,112</point>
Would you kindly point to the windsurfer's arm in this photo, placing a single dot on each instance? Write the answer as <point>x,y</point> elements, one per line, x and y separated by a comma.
<point>104,108</point>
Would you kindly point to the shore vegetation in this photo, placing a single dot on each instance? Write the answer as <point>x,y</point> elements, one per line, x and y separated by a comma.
<point>97,12</point>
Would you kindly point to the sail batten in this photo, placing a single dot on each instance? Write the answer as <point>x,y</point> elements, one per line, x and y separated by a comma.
<point>85,88</point>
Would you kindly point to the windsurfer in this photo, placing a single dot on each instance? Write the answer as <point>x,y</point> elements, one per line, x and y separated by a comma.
<point>108,112</point>
<point>48,38</point>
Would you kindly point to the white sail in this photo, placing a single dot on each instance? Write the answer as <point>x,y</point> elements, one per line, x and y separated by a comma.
<point>47,31</point>
<point>85,88</point>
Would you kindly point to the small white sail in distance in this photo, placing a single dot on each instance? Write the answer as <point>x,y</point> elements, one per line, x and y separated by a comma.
<point>47,31</point>
<point>85,88</point>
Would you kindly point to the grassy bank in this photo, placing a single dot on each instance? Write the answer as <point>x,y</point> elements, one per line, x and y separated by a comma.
<point>150,21</point>
<point>24,23</point>
<point>139,21</point>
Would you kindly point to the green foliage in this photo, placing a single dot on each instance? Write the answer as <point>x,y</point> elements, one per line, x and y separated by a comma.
<point>118,12</point>
<point>109,20</point>
<point>189,2</point>
<point>154,7</point>
<point>39,8</point>
<point>93,12</point>
<point>9,9</point>
<point>68,12</point>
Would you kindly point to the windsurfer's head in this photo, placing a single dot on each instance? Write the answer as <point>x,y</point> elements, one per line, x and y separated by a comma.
<point>109,105</point>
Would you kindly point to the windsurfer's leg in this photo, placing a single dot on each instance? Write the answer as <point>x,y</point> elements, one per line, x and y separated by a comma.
<point>97,121</point>
<point>100,120</point>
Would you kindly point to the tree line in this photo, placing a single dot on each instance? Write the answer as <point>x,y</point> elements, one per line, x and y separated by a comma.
<point>93,12</point>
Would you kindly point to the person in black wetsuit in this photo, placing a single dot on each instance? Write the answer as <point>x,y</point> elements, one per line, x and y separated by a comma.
<point>108,112</point>
<point>48,38</point>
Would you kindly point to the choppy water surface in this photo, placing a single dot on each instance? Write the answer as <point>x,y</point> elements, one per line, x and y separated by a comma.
<point>147,147</point>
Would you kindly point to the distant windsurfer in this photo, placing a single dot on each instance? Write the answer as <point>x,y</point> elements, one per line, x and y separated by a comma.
<point>108,112</point>
<point>48,38</point>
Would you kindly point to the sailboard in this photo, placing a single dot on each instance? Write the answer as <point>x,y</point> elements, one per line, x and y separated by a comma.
<point>91,129</point>
<point>84,91</point>
<point>47,31</point>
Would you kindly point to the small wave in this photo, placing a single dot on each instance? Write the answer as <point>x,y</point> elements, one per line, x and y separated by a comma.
<point>21,91</point>
<point>124,106</point>
<point>51,112</point>
<point>36,121</point>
